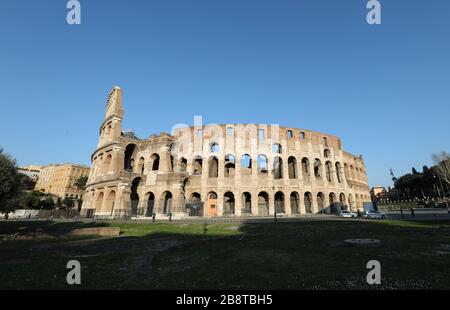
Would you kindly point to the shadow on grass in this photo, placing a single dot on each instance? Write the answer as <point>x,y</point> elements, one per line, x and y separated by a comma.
<point>298,255</point>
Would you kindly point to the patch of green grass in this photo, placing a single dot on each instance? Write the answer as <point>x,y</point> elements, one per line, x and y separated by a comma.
<point>297,255</point>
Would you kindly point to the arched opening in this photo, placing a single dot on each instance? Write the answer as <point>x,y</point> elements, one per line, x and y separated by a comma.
<point>342,202</point>
<point>320,202</point>
<point>305,168</point>
<point>246,165</point>
<point>277,168</point>
<point>292,167</point>
<point>134,196</point>
<point>328,170</point>
<point>276,148</point>
<point>318,168</point>
<point>347,173</point>
<point>262,164</point>
<point>195,206</point>
<point>279,202</point>
<point>150,204</point>
<point>141,165</point>
<point>129,151</point>
<point>294,198</point>
<point>214,148</point>
<point>108,207</point>
<point>246,203</point>
<point>230,166</point>
<point>338,172</point>
<point>198,165</point>
<point>183,164</point>
<point>213,167</point>
<point>154,159</point>
<point>211,204</point>
<point>357,201</point>
<point>333,204</point>
<point>228,203</point>
<point>99,202</point>
<point>263,203</point>
<point>308,202</point>
<point>327,153</point>
<point>166,198</point>
<point>352,173</point>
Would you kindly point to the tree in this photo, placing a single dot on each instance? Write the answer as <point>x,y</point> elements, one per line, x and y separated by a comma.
<point>414,171</point>
<point>81,182</point>
<point>67,202</point>
<point>31,200</point>
<point>11,183</point>
<point>442,161</point>
<point>47,204</point>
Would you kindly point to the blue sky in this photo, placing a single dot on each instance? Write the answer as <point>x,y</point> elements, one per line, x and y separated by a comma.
<point>315,64</point>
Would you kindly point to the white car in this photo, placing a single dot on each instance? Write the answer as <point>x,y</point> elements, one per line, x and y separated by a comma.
<point>345,213</point>
<point>372,214</point>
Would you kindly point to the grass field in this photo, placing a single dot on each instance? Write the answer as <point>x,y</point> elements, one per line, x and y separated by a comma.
<point>301,255</point>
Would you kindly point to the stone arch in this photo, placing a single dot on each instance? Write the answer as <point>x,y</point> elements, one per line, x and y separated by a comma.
<point>332,202</point>
<point>198,165</point>
<point>277,168</point>
<point>305,167</point>
<point>99,202</point>
<point>277,148</point>
<point>307,200</point>
<point>342,201</point>
<point>150,204</point>
<point>338,172</point>
<point>128,158</point>
<point>321,202</point>
<point>134,196</point>
<point>214,147</point>
<point>263,164</point>
<point>329,171</point>
<point>327,153</point>
<point>230,166</point>
<point>183,164</point>
<point>279,202</point>
<point>211,204</point>
<point>263,203</point>
<point>318,168</point>
<point>292,167</point>
<point>295,203</point>
<point>108,206</point>
<point>154,159</point>
<point>141,165</point>
<point>166,202</point>
<point>228,203</point>
<point>213,167</point>
<point>246,203</point>
<point>246,164</point>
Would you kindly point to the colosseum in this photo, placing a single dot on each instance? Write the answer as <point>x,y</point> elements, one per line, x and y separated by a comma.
<point>220,170</point>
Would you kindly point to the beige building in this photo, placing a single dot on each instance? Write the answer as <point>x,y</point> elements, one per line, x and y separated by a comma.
<point>220,170</point>
<point>31,171</point>
<point>59,180</point>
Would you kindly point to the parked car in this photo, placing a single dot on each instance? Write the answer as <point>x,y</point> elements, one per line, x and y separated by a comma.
<point>346,213</point>
<point>373,214</point>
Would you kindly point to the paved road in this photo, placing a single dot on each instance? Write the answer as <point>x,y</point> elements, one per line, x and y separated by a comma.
<point>421,214</point>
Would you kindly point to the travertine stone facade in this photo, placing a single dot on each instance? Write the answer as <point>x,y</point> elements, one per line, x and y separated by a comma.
<point>220,170</point>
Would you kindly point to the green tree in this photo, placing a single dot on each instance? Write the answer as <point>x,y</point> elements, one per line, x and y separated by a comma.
<point>47,204</point>
<point>31,200</point>
<point>11,183</point>
<point>81,182</point>
<point>67,202</point>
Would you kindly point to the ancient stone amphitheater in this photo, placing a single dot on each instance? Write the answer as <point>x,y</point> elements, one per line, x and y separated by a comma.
<point>220,170</point>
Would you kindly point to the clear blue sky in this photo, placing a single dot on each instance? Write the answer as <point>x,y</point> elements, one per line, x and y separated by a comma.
<point>316,64</point>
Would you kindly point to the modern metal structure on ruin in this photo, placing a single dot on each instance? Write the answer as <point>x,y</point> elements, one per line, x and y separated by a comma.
<point>220,170</point>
